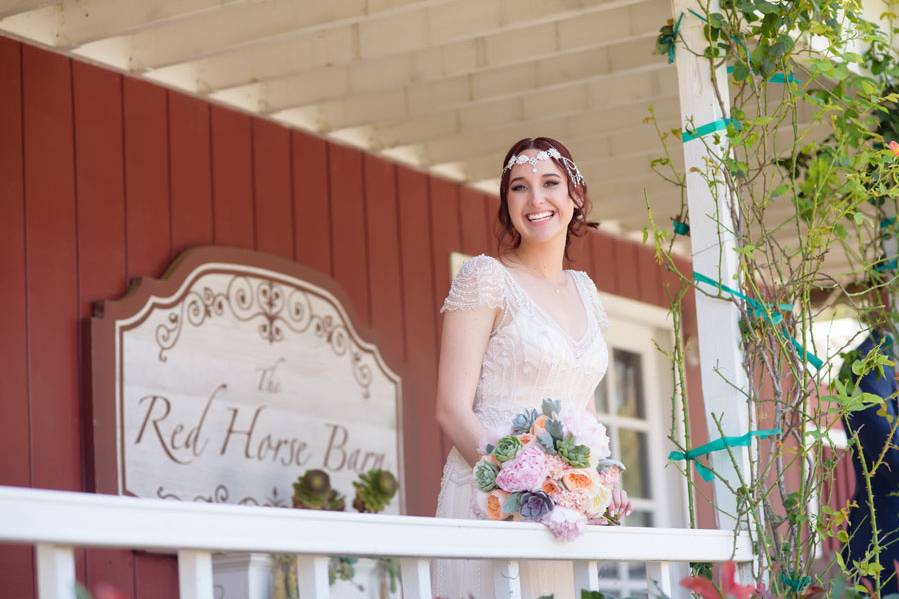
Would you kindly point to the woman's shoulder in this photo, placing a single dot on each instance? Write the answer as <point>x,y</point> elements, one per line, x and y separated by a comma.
<point>479,282</point>
<point>480,267</point>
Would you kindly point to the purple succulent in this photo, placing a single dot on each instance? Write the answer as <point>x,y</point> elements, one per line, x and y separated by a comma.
<point>535,505</point>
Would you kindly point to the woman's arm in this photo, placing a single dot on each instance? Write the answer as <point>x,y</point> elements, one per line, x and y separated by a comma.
<point>462,348</point>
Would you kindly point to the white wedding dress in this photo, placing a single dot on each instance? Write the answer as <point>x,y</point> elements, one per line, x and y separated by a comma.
<point>529,357</point>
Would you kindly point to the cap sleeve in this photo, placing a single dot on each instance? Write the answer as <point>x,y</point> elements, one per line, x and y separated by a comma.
<point>599,310</point>
<point>478,283</point>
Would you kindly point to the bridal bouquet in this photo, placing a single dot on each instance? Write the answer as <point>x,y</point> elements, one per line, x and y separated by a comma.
<point>550,467</point>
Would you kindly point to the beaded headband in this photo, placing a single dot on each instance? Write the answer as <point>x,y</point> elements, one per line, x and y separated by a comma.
<point>573,173</point>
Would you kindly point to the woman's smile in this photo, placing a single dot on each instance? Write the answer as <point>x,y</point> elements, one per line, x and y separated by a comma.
<point>541,217</point>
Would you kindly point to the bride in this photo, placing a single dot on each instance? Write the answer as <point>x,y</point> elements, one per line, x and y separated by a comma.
<point>517,330</point>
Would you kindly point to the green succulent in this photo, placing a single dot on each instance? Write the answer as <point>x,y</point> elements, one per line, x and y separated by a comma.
<point>577,456</point>
<point>485,473</point>
<point>506,448</point>
<point>312,491</point>
<point>374,490</point>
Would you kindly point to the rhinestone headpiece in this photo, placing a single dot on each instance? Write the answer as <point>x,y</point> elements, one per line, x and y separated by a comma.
<point>573,173</point>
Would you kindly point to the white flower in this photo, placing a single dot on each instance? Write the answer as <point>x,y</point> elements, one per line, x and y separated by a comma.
<point>586,430</point>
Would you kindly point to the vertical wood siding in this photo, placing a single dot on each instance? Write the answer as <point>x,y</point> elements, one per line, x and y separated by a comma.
<point>104,179</point>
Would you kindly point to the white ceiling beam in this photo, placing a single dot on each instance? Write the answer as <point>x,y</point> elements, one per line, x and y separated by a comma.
<point>508,83</point>
<point>538,111</point>
<point>236,27</point>
<point>72,23</point>
<point>421,34</point>
<point>611,130</point>
<point>12,7</point>
<point>512,80</point>
<point>481,54</point>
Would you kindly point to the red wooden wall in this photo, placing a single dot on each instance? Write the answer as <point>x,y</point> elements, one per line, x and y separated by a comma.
<point>104,178</point>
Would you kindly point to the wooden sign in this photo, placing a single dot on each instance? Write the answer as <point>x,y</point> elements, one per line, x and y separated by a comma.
<point>230,377</point>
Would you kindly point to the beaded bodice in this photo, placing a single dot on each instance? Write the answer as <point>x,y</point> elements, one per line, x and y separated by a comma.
<point>529,356</point>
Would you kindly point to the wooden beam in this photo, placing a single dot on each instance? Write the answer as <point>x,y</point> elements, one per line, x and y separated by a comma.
<point>559,72</point>
<point>275,49</point>
<point>540,110</point>
<point>75,22</point>
<point>721,361</point>
<point>502,49</point>
<point>13,7</point>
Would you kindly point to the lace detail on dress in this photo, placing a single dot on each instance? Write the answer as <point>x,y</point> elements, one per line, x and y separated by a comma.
<point>528,357</point>
<point>478,283</point>
<point>602,318</point>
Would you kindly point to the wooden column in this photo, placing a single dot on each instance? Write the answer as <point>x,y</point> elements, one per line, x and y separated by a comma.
<point>721,360</point>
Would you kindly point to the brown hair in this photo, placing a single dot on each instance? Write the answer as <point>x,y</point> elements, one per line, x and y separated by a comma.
<point>507,236</point>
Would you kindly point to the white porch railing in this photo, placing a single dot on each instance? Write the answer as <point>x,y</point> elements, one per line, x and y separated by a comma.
<point>56,522</point>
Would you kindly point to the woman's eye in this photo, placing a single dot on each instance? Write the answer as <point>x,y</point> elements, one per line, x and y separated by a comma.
<point>518,188</point>
<point>552,183</point>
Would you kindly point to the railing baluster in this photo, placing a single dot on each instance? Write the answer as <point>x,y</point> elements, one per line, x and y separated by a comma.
<point>659,577</point>
<point>55,572</point>
<point>195,574</point>
<point>312,577</point>
<point>586,576</point>
<point>416,575</point>
<point>506,582</point>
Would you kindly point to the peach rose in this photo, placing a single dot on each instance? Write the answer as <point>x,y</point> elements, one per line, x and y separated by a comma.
<point>577,480</point>
<point>550,487</point>
<point>495,501</point>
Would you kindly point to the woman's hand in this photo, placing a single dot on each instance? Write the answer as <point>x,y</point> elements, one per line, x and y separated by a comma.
<point>621,504</point>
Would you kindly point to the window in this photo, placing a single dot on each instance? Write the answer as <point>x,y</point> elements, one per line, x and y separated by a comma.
<point>633,401</point>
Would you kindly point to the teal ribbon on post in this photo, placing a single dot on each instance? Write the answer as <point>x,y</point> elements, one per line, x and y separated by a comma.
<point>673,41</point>
<point>691,134</point>
<point>769,313</point>
<point>796,584</point>
<point>694,454</point>
<point>775,78</point>
<point>886,265</point>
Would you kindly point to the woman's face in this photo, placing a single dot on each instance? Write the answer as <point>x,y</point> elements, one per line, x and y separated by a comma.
<point>539,204</point>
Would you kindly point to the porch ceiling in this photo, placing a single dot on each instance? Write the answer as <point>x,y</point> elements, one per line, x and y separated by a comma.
<point>442,85</point>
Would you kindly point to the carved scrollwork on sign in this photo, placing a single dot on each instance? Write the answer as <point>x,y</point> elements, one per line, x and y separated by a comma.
<point>275,308</point>
<point>235,372</point>
<point>221,494</point>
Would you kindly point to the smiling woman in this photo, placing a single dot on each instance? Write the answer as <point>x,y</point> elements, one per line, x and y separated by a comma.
<point>518,330</point>
<point>554,173</point>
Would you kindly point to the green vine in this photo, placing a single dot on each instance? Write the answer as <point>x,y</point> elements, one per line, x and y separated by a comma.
<point>804,165</point>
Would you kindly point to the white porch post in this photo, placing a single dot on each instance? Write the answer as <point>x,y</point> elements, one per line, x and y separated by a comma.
<point>713,244</point>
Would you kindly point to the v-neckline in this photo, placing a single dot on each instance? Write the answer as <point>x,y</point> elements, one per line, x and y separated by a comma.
<point>577,288</point>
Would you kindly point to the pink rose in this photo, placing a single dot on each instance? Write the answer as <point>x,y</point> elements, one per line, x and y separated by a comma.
<point>894,147</point>
<point>525,472</point>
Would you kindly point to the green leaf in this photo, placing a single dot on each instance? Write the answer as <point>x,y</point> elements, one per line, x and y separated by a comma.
<point>741,71</point>
<point>512,504</point>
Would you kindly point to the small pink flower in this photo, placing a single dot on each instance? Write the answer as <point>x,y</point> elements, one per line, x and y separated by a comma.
<point>565,524</point>
<point>894,147</point>
<point>525,472</point>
